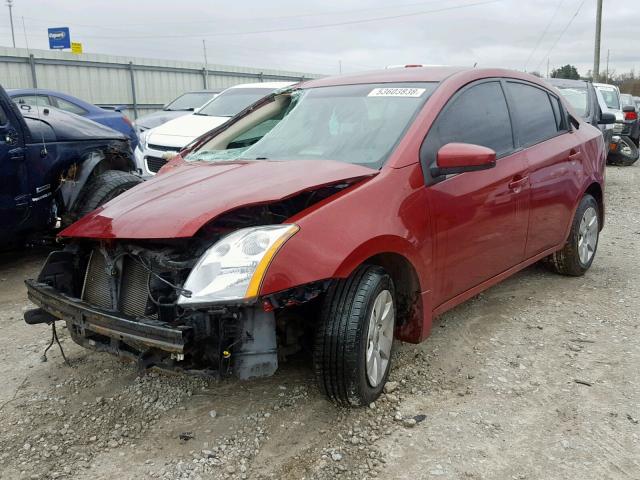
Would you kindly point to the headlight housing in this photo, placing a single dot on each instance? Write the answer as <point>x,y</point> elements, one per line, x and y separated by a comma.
<point>142,138</point>
<point>233,268</point>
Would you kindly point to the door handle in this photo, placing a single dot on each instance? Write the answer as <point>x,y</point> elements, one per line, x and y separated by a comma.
<point>575,154</point>
<point>517,183</point>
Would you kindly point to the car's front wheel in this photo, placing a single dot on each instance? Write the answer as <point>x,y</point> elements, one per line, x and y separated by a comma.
<point>354,338</point>
<point>105,187</point>
<point>577,255</point>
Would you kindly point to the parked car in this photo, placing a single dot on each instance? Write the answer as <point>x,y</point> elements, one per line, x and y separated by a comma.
<point>112,118</point>
<point>55,167</point>
<point>631,116</point>
<point>636,100</point>
<point>624,150</point>
<point>184,104</point>
<point>159,144</point>
<point>583,97</point>
<point>354,209</point>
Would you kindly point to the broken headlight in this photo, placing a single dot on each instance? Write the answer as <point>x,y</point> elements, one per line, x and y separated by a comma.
<point>233,268</point>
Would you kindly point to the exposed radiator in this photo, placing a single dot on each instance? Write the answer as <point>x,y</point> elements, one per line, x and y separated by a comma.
<point>96,289</point>
<point>134,291</point>
<point>133,285</point>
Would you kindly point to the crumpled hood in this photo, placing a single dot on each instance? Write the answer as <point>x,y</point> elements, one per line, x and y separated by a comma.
<point>69,126</point>
<point>179,202</point>
<point>181,131</point>
<point>156,119</point>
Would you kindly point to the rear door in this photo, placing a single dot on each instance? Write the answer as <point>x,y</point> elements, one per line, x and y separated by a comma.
<point>554,155</point>
<point>480,218</point>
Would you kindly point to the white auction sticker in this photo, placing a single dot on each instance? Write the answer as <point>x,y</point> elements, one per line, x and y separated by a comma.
<point>396,92</point>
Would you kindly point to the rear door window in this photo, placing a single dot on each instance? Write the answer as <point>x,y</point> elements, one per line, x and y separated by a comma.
<point>69,107</point>
<point>558,112</point>
<point>534,113</point>
<point>478,115</point>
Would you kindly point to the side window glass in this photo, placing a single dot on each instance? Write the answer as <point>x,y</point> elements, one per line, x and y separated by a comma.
<point>479,116</point>
<point>558,114</point>
<point>70,107</point>
<point>533,112</point>
<point>41,100</point>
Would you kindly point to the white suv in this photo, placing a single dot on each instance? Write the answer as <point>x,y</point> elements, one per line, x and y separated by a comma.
<point>159,144</point>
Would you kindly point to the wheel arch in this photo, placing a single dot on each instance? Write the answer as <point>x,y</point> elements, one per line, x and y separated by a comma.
<point>89,164</point>
<point>408,272</point>
<point>409,305</point>
<point>595,190</point>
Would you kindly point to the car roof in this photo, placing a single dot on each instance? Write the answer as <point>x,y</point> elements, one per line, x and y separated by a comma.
<point>265,85</point>
<point>565,82</point>
<point>605,85</point>
<point>390,75</point>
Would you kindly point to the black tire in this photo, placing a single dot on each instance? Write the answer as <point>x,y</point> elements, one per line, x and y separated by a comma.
<point>567,261</point>
<point>103,188</point>
<point>630,155</point>
<point>340,346</point>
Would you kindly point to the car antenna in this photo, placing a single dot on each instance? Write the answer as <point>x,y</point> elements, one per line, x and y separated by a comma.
<point>43,152</point>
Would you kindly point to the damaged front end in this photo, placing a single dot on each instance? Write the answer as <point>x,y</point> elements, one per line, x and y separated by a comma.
<point>190,304</point>
<point>129,300</point>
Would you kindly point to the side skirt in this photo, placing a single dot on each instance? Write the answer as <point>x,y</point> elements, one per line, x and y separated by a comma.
<point>464,296</point>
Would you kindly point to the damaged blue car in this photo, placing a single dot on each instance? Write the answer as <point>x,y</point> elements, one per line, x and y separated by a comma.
<point>55,167</point>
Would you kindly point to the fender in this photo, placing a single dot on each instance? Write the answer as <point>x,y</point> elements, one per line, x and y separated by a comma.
<point>70,190</point>
<point>90,162</point>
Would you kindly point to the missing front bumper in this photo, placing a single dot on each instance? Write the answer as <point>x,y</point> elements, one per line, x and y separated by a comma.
<point>88,324</point>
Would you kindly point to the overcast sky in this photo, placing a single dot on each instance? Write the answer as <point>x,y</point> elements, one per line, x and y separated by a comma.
<point>315,35</point>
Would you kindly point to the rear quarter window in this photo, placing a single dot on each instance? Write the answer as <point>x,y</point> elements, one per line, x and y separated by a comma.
<point>534,113</point>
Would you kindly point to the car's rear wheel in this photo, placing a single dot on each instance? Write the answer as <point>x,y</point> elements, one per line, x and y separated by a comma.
<point>354,338</point>
<point>104,187</point>
<point>577,255</point>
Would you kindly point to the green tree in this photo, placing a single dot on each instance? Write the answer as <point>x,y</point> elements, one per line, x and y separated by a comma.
<point>567,71</point>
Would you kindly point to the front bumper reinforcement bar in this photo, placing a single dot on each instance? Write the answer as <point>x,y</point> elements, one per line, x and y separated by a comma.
<point>85,318</point>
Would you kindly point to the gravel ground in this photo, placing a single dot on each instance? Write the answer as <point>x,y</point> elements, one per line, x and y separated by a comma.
<point>533,379</point>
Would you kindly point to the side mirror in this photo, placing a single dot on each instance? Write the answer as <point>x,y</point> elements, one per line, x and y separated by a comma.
<point>607,118</point>
<point>463,157</point>
<point>629,108</point>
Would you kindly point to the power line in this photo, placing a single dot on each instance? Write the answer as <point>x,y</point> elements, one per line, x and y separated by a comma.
<point>544,33</point>
<point>124,26</point>
<point>561,33</point>
<point>310,27</point>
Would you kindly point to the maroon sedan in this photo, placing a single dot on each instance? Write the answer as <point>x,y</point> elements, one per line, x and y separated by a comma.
<point>347,211</point>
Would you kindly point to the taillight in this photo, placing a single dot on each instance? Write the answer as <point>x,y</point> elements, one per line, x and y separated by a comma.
<point>630,116</point>
<point>127,120</point>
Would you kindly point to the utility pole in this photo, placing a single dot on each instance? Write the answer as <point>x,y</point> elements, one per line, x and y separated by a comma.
<point>608,52</point>
<point>596,52</point>
<point>548,68</point>
<point>13,37</point>
<point>206,68</point>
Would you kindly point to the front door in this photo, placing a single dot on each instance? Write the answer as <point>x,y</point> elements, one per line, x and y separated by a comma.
<point>480,218</point>
<point>14,187</point>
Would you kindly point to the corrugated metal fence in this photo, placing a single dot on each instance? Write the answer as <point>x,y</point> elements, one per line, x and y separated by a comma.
<point>142,85</point>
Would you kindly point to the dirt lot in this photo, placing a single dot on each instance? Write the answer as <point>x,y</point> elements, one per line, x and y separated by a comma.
<point>534,379</point>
